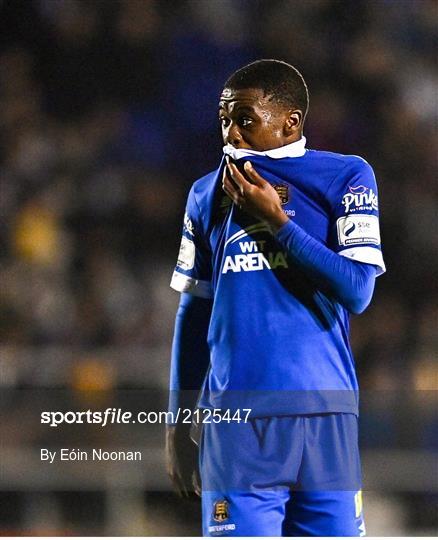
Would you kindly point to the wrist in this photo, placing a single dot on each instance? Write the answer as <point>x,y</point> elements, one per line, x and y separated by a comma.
<point>277,221</point>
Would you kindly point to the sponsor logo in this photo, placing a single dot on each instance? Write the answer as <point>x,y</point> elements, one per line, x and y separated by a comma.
<point>254,261</point>
<point>358,229</point>
<point>253,256</point>
<point>188,225</point>
<point>348,227</point>
<point>186,255</point>
<point>220,511</point>
<point>282,192</point>
<point>252,229</point>
<point>359,198</point>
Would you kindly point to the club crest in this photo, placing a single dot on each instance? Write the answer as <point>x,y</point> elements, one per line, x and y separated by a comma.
<point>283,193</point>
<point>220,511</point>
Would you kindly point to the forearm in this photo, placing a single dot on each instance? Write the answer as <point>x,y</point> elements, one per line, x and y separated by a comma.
<point>350,283</point>
<point>190,354</point>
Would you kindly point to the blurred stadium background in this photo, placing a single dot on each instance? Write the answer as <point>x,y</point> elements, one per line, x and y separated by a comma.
<point>107,114</point>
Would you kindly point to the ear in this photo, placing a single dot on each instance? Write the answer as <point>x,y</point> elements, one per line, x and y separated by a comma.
<point>294,122</point>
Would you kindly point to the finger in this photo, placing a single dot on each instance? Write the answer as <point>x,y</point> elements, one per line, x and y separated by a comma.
<point>254,175</point>
<point>196,481</point>
<point>231,191</point>
<point>238,178</point>
<point>180,487</point>
<point>178,484</point>
<point>224,177</point>
<point>177,488</point>
<point>236,198</point>
<point>229,187</point>
<point>227,180</point>
<point>228,169</point>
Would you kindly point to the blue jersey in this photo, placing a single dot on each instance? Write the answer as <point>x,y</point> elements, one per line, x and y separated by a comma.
<point>279,344</point>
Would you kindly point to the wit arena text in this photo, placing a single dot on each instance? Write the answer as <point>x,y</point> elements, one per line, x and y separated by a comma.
<point>118,416</point>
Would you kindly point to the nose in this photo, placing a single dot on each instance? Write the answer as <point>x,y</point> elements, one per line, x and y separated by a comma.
<point>233,136</point>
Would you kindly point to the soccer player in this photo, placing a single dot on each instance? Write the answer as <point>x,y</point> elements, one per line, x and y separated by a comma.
<point>280,244</point>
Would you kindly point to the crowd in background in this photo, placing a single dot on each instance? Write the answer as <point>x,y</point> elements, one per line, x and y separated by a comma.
<point>108,112</point>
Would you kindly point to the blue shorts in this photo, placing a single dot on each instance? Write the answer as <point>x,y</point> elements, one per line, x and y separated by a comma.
<point>282,476</point>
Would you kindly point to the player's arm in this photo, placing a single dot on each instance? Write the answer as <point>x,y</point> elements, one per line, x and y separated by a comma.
<point>351,283</point>
<point>190,353</point>
<point>189,364</point>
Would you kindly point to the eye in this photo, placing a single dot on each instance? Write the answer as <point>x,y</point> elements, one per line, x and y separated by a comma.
<point>245,121</point>
<point>225,122</point>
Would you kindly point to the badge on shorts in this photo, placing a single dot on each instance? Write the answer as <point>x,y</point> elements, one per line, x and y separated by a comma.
<point>220,511</point>
<point>283,192</point>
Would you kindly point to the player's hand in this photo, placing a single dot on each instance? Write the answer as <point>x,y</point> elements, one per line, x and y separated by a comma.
<point>196,482</point>
<point>182,460</point>
<point>254,195</point>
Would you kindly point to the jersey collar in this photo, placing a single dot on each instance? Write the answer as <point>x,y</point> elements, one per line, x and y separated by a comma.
<point>295,149</point>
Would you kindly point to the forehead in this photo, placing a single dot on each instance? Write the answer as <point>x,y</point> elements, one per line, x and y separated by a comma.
<point>252,98</point>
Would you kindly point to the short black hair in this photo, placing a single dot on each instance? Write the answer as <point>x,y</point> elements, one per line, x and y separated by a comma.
<point>276,78</point>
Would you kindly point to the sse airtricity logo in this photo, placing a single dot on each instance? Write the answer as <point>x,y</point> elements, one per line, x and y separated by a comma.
<point>359,198</point>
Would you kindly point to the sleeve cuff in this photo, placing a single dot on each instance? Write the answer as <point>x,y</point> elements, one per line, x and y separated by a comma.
<point>366,254</point>
<point>285,231</point>
<point>197,287</point>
